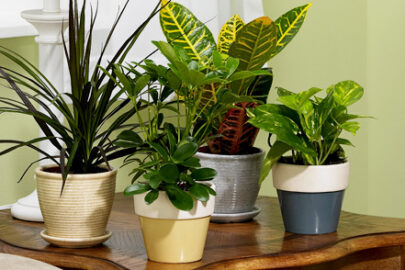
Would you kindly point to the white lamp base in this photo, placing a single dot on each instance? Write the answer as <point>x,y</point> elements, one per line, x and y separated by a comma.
<point>27,208</point>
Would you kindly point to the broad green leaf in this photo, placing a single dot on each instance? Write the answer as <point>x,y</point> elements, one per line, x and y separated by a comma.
<point>276,152</point>
<point>191,163</point>
<point>130,136</point>
<point>169,172</point>
<point>242,75</point>
<point>344,142</point>
<point>210,190</point>
<point>185,151</point>
<point>324,109</point>
<point>254,45</point>
<point>155,180</point>
<point>274,108</point>
<point>137,188</point>
<point>167,50</point>
<point>182,28</point>
<point>140,84</point>
<point>288,26</point>
<point>232,65</point>
<point>151,196</point>
<point>351,127</point>
<point>347,92</point>
<point>260,87</point>
<point>199,192</point>
<point>284,128</point>
<point>180,199</point>
<point>217,60</point>
<point>228,32</point>
<point>204,174</point>
<point>284,92</point>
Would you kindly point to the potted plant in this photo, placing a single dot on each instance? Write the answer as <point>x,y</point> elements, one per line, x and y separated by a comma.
<point>76,193</point>
<point>310,169</point>
<point>230,150</point>
<point>174,199</point>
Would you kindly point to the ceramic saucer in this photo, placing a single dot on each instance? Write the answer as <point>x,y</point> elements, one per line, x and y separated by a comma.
<point>237,217</point>
<point>75,242</point>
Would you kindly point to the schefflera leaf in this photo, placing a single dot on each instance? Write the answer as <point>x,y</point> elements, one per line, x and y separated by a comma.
<point>183,29</point>
<point>228,32</point>
<point>288,26</point>
<point>254,45</point>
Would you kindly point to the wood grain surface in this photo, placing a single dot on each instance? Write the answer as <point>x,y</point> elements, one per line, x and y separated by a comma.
<point>361,242</point>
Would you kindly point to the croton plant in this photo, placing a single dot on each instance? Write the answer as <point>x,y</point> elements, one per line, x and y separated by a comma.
<point>252,45</point>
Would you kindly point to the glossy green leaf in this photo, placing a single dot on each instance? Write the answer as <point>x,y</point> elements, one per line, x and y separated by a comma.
<point>131,136</point>
<point>191,163</point>
<point>288,26</point>
<point>151,196</point>
<point>227,34</point>
<point>276,152</point>
<point>284,128</point>
<point>183,29</point>
<point>185,151</point>
<point>347,93</point>
<point>160,150</point>
<point>351,127</point>
<point>169,172</point>
<point>204,174</point>
<point>155,180</point>
<point>199,192</point>
<point>254,45</point>
<point>137,188</point>
<point>180,199</point>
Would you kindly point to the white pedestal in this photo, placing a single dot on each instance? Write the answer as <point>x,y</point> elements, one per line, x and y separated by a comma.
<point>27,208</point>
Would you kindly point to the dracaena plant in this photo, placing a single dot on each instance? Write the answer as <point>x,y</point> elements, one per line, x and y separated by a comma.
<point>253,44</point>
<point>92,110</point>
<point>309,128</point>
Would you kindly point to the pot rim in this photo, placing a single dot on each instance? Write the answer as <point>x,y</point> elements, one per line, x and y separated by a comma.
<point>314,166</point>
<point>231,157</point>
<point>80,176</point>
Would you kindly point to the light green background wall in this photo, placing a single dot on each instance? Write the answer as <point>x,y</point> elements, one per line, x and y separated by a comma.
<point>341,39</point>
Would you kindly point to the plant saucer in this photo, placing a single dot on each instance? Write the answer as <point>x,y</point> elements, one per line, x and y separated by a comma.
<point>75,242</point>
<point>236,217</point>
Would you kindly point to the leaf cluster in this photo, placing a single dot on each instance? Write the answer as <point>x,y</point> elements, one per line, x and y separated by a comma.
<point>308,126</point>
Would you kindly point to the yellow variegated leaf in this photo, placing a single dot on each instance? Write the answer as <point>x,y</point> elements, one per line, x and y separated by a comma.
<point>183,29</point>
<point>208,96</point>
<point>254,45</point>
<point>288,26</point>
<point>228,32</point>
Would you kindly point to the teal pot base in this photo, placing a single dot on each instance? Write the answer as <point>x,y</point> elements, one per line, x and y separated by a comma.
<point>310,213</point>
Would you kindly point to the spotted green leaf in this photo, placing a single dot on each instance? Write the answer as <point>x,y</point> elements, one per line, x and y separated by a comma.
<point>254,45</point>
<point>183,29</point>
<point>228,32</point>
<point>288,26</point>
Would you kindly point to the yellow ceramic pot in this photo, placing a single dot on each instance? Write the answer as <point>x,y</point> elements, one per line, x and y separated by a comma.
<point>172,235</point>
<point>82,210</point>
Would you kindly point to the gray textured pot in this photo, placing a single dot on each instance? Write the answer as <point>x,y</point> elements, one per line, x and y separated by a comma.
<point>236,182</point>
<point>311,196</point>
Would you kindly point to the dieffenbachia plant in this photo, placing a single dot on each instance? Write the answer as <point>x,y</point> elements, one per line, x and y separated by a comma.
<point>253,44</point>
<point>307,126</point>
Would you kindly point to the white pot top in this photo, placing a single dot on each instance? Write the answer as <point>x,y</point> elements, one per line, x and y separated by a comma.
<point>163,208</point>
<point>311,179</point>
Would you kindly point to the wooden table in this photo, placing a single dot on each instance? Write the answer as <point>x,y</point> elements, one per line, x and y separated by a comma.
<point>361,242</point>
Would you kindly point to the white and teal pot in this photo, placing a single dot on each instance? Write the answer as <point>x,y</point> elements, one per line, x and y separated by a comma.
<point>236,184</point>
<point>311,196</point>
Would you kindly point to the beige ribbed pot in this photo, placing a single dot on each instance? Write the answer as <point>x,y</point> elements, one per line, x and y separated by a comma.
<point>83,209</point>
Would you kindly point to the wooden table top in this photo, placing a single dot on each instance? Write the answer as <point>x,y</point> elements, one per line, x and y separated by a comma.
<point>261,243</point>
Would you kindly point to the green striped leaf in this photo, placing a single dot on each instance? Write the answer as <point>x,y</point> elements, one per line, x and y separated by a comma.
<point>183,29</point>
<point>288,26</point>
<point>254,45</point>
<point>228,32</point>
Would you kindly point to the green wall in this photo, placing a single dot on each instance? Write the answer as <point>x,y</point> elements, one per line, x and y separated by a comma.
<point>363,41</point>
<point>346,39</point>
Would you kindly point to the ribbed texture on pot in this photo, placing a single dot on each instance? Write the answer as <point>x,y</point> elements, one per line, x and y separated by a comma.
<point>237,180</point>
<point>84,207</point>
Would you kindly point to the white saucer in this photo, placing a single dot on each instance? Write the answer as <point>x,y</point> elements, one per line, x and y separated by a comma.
<point>75,242</point>
<point>237,217</point>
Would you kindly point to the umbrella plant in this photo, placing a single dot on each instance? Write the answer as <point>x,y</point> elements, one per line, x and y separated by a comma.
<point>92,111</point>
<point>252,44</point>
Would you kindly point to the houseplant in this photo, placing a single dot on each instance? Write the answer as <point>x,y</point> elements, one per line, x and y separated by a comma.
<point>230,151</point>
<point>174,201</point>
<point>310,169</point>
<point>76,193</point>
